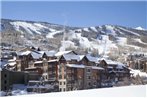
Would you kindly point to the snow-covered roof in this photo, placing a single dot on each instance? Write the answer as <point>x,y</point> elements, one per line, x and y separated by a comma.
<point>76,65</point>
<point>120,65</point>
<point>36,62</point>
<point>99,68</point>
<point>69,57</point>
<point>81,56</point>
<point>108,61</point>
<point>62,52</point>
<point>50,53</point>
<point>25,53</point>
<point>36,55</point>
<point>92,59</point>
<point>12,68</point>
<point>12,63</point>
<point>42,52</point>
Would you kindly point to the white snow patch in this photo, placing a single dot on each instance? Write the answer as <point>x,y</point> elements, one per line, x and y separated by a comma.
<point>40,25</point>
<point>27,26</point>
<point>122,40</point>
<point>106,45</point>
<point>52,30</point>
<point>94,29</point>
<point>86,29</point>
<point>51,34</point>
<point>126,91</point>
<point>67,44</point>
<point>60,53</point>
<point>139,28</point>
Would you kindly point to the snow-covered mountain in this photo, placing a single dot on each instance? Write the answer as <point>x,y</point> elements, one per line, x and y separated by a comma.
<point>101,39</point>
<point>139,28</point>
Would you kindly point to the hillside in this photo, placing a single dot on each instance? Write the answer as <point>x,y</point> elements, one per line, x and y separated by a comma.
<point>105,39</point>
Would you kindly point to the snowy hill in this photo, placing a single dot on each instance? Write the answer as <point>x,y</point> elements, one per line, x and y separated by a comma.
<point>104,39</point>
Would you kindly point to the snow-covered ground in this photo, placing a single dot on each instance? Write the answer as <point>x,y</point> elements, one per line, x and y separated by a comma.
<point>126,91</point>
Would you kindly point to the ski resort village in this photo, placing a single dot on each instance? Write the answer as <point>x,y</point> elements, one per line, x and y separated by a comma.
<point>39,57</point>
<point>31,70</point>
<point>85,49</point>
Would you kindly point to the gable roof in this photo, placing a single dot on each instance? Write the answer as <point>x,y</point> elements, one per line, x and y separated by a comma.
<point>69,57</point>
<point>36,55</point>
<point>50,53</point>
<point>33,53</point>
<point>58,54</point>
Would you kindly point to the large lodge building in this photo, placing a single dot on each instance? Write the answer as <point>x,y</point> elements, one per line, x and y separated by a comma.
<point>64,71</point>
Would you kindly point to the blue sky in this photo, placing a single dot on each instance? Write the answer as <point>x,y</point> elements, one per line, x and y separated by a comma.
<point>80,14</point>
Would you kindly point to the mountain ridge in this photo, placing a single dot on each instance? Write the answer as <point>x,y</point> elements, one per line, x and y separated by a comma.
<point>103,39</point>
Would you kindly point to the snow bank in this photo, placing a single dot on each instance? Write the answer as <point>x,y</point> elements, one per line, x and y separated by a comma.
<point>126,91</point>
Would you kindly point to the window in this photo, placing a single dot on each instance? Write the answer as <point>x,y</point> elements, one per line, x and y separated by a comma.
<point>5,75</point>
<point>60,89</point>
<point>88,70</point>
<point>89,83</point>
<point>60,83</point>
<point>5,82</point>
<point>64,89</point>
<point>64,83</point>
<point>89,77</point>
